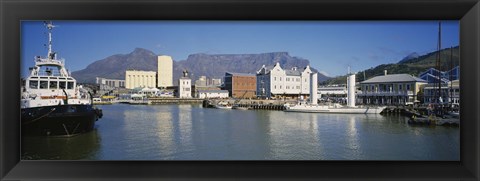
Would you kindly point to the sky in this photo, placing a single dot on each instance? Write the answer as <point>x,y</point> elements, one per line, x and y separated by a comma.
<point>330,46</point>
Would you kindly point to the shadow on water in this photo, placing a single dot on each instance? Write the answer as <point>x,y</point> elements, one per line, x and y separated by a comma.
<point>83,146</point>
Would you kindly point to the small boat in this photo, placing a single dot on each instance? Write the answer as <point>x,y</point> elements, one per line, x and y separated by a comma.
<point>52,104</point>
<point>223,105</point>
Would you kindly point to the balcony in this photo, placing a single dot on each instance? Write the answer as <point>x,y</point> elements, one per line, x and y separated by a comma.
<point>385,93</point>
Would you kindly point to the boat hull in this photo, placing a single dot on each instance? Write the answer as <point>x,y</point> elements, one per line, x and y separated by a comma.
<point>319,109</point>
<point>60,120</point>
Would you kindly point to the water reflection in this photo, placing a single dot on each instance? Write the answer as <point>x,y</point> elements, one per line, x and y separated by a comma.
<point>83,146</point>
<point>190,132</point>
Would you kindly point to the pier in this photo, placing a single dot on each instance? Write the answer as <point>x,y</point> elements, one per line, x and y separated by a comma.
<point>251,103</point>
<point>175,100</point>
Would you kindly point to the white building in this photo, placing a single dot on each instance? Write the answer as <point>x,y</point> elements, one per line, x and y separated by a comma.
<point>326,92</point>
<point>276,82</point>
<point>137,78</point>
<point>113,83</point>
<point>185,86</point>
<point>149,91</point>
<point>165,71</point>
<point>449,93</point>
<point>212,94</point>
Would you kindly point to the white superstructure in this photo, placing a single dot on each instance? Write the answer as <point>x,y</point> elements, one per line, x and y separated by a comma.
<point>49,83</point>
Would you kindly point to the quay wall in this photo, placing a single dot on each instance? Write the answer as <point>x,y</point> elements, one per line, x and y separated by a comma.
<point>175,100</point>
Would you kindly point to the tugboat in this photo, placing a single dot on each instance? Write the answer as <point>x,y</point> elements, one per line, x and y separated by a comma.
<point>52,104</point>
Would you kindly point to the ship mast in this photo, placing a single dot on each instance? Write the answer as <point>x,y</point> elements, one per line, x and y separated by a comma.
<point>438,93</point>
<point>49,25</point>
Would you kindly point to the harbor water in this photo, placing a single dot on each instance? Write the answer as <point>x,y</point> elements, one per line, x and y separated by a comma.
<point>190,132</point>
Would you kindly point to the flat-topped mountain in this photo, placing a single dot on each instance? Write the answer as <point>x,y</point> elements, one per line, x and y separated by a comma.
<point>212,66</point>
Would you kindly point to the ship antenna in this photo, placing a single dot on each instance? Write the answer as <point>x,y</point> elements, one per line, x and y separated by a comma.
<point>49,26</point>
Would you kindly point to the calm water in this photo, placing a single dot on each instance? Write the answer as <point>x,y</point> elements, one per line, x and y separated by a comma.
<point>190,132</point>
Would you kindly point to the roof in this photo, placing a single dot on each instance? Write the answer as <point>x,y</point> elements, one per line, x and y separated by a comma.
<point>293,72</point>
<point>239,74</point>
<point>213,91</point>
<point>393,78</point>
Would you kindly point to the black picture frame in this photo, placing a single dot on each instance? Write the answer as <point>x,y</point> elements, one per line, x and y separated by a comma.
<point>13,11</point>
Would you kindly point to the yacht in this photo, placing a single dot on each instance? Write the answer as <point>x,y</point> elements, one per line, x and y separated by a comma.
<point>52,104</point>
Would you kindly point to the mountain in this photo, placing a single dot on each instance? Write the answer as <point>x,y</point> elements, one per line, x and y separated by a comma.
<point>215,66</point>
<point>114,67</point>
<point>412,66</point>
<point>409,57</point>
<point>212,66</point>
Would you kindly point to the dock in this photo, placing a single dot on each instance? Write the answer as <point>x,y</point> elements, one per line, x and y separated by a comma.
<point>251,103</point>
<point>172,100</point>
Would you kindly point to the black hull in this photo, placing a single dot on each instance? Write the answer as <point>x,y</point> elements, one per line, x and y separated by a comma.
<point>61,120</point>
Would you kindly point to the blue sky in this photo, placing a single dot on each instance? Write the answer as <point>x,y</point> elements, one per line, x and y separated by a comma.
<point>330,46</point>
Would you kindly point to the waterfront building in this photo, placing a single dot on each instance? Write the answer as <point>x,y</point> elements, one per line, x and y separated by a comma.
<point>449,92</point>
<point>216,82</point>
<point>111,83</point>
<point>203,94</point>
<point>165,71</point>
<point>240,85</point>
<point>138,78</point>
<point>332,91</point>
<point>149,91</point>
<point>275,82</point>
<point>201,82</point>
<point>185,86</point>
<point>431,75</point>
<point>107,86</point>
<point>392,89</point>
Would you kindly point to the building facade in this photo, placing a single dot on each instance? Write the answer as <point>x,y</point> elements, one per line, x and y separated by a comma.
<point>275,82</point>
<point>185,86</point>
<point>449,93</point>
<point>240,85</point>
<point>203,94</point>
<point>137,78</point>
<point>393,89</point>
<point>432,75</point>
<point>165,71</point>
<point>112,83</point>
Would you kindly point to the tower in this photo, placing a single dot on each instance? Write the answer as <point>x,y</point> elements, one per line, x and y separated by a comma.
<point>165,71</point>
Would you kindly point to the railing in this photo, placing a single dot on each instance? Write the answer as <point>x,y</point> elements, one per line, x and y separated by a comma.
<point>385,93</point>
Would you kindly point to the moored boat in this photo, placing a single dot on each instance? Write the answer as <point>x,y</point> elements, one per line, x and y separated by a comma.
<point>52,104</point>
<point>223,105</point>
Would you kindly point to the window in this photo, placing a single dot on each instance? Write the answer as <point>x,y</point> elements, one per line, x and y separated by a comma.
<point>53,85</point>
<point>275,87</point>
<point>280,78</point>
<point>408,86</point>
<point>33,84</point>
<point>288,79</point>
<point>400,87</point>
<point>275,78</point>
<point>43,84</point>
<point>280,87</point>
<point>69,85</point>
